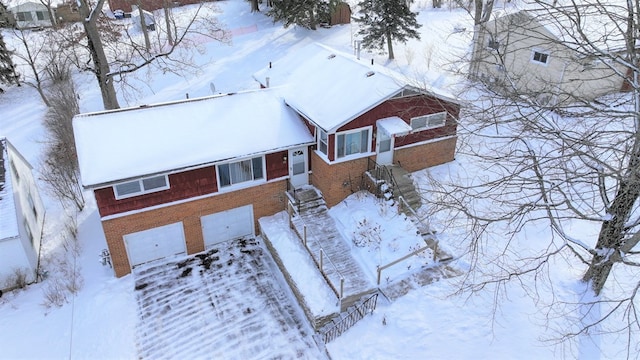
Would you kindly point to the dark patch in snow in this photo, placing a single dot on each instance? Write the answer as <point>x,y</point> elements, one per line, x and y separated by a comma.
<point>141,286</point>
<point>186,272</point>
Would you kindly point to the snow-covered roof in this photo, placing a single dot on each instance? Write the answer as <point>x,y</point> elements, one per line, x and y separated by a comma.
<point>331,88</point>
<point>8,215</point>
<point>128,143</point>
<point>18,4</point>
<point>601,25</point>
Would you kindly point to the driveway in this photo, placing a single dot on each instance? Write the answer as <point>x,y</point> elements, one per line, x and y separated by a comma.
<point>226,303</point>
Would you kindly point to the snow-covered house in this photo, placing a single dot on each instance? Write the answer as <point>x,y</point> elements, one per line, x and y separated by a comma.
<point>31,15</point>
<point>187,175</point>
<point>21,219</point>
<point>359,111</point>
<point>540,53</point>
<point>149,5</point>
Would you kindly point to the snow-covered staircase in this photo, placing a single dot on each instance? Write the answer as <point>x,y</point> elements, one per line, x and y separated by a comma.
<point>394,183</point>
<point>311,217</point>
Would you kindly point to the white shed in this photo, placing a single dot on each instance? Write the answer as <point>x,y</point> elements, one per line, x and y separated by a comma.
<point>21,219</point>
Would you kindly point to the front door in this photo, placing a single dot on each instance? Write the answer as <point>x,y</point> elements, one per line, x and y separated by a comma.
<point>384,148</point>
<point>298,167</point>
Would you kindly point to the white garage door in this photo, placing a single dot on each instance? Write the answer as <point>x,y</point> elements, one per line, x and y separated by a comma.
<point>156,243</point>
<point>227,225</point>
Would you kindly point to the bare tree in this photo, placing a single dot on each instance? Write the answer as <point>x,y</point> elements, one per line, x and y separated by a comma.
<point>33,54</point>
<point>111,60</point>
<point>553,145</point>
<point>60,171</point>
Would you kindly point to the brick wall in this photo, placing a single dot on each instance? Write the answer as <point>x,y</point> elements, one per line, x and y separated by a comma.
<point>338,180</point>
<point>267,200</point>
<point>418,157</point>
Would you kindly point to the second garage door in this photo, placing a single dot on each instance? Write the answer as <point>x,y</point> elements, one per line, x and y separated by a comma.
<point>156,243</point>
<point>227,225</point>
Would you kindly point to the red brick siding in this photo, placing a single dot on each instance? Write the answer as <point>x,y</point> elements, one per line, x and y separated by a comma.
<point>418,157</point>
<point>404,108</point>
<point>183,185</point>
<point>267,199</point>
<point>338,180</point>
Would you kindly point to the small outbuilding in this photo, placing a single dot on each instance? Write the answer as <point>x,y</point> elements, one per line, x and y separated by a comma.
<point>21,219</point>
<point>30,15</point>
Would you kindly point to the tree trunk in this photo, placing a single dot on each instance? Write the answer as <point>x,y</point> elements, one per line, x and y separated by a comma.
<point>143,26</point>
<point>486,12</point>
<point>312,20</point>
<point>254,6</point>
<point>390,46</point>
<point>477,15</point>
<point>612,232</point>
<point>98,56</point>
<point>168,21</point>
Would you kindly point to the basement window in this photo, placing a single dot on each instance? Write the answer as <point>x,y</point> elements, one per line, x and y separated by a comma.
<point>141,186</point>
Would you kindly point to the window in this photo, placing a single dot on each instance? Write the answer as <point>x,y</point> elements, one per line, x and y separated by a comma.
<point>540,57</point>
<point>323,141</point>
<point>241,171</point>
<point>406,93</point>
<point>493,44</point>
<point>354,142</point>
<point>15,171</point>
<point>428,121</point>
<point>32,205</point>
<point>42,15</point>
<point>143,186</point>
<point>27,229</point>
<point>24,16</point>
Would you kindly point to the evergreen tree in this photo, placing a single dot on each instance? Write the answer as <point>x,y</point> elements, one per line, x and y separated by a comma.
<point>386,20</point>
<point>7,69</point>
<point>305,13</point>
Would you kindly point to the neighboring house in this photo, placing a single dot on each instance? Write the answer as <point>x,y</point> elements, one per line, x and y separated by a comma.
<point>535,53</point>
<point>149,5</point>
<point>180,177</point>
<point>21,219</point>
<point>31,15</point>
<point>67,12</point>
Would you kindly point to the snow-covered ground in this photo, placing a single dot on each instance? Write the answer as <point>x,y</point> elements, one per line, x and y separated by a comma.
<point>101,321</point>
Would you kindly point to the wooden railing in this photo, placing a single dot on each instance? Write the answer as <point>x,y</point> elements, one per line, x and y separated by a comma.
<point>352,317</point>
<point>413,253</point>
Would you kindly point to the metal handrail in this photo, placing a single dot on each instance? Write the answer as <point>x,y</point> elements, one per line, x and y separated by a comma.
<point>357,314</point>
